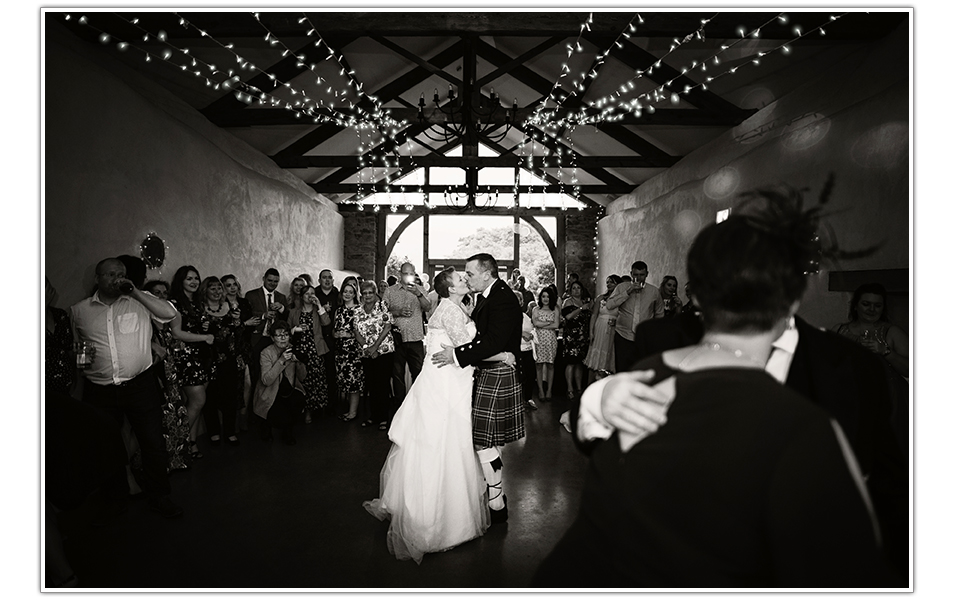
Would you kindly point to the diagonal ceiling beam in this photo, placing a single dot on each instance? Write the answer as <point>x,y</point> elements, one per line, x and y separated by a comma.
<point>386,93</point>
<point>520,60</point>
<point>638,59</point>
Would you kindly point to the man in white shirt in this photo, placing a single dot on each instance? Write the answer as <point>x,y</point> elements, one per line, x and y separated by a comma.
<point>117,321</point>
<point>636,301</point>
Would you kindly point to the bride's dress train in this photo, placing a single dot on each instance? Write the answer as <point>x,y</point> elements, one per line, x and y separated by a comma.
<point>432,487</point>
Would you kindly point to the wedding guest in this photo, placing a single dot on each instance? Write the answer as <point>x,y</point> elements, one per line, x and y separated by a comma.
<point>280,396</point>
<point>786,477</point>
<point>308,320</point>
<point>121,382</point>
<point>294,294</point>
<point>526,368</point>
<point>869,326</point>
<point>636,301</point>
<point>669,290</point>
<point>575,316</point>
<point>407,300</point>
<point>307,279</point>
<point>327,295</point>
<point>222,394</point>
<point>372,323</point>
<point>350,372</point>
<point>175,414</point>
<point>600,358</point>
<point>268,304</point>
<point>546,321</point>
<point>60,368</point>
<point>192,353</point>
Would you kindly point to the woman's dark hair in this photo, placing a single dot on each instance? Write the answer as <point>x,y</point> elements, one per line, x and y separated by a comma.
<point>152,283</point>
<point>584,293</point>
<point>279,326</point>
<point>204,288</point>
<point>442,282</point>
<point>550,291</point>
<point>306,278</point>
<point>868,288</point>
<point>177,290</point>
<point>748,270</point>
<point>353,284</point>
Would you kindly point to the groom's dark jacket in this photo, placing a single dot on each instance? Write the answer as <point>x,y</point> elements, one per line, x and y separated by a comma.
<point>499,322</point>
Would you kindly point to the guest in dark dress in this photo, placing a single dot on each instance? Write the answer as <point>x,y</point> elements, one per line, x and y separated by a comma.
<point>307,321</point>
<point>576,314</point>
<point>669,290</point>
<point>233,294</point>
<point>175,415</point>
<point>747,484</point>
<point>60,367</point>
<point>222,395</point>
<point>192,352</point>
<point>348,367</point>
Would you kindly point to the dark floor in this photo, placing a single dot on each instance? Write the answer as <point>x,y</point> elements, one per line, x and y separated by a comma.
<point>267,515</point>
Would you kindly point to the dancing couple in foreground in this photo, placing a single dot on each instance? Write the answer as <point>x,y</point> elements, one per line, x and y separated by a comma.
<point>441,483</point>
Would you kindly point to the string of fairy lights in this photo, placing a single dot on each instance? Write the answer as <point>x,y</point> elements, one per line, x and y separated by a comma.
<point>544,126</point>
<point>607,105</point>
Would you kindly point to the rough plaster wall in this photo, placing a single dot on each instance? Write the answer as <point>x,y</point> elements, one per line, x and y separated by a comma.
<point>850,120</point>
<point>124,158</point>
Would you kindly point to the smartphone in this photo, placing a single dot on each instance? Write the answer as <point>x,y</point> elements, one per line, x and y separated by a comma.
<point>408,279</point>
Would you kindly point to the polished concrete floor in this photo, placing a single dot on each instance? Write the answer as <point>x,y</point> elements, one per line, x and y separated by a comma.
<point>267,515</point>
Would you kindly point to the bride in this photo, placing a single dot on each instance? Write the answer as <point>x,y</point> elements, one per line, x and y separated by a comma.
<point>432,486</point>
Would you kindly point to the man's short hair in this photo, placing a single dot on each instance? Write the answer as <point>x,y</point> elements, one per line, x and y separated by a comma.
<point>486,263</point>
<point>639,266</point>
<point>272,271</point>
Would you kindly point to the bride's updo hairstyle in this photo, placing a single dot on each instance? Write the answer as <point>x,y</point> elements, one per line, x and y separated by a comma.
<point>443,282</point>
<point>748,270</point>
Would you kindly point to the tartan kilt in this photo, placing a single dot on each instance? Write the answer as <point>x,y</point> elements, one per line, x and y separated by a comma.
<point>497,416</point>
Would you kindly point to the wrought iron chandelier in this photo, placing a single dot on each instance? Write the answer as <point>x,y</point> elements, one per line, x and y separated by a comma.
<point>459,117</point>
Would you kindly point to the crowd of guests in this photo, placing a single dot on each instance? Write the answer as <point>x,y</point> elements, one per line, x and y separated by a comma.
<point>217,359</point>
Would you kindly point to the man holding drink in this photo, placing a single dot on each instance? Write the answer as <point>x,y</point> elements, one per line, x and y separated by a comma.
<point>636,301</point>
<point>114,326</point>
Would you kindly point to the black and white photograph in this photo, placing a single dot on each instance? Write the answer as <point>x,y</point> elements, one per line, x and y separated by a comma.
<point>478,299</point>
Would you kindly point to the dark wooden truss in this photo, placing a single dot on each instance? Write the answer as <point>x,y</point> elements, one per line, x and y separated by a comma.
<point>469,30</point>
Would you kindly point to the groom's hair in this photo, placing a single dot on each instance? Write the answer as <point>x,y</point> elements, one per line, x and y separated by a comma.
<point>442,282</point>
<point>487,263</point>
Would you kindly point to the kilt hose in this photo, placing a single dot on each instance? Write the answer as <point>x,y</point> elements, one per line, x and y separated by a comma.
<point>497,415</point>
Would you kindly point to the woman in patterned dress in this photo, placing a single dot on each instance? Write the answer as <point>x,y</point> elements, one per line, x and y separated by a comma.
<point>175,416</point>
<point>576,314</point>
<point>60,368</point>
<point>222,394</point>
<point>192,352</point>
<point>307,338</point>
<point>372,324</point>
<point>546,321</point>
<point>348,356</point>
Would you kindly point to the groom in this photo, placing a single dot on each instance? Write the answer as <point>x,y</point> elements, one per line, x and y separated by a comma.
<point>497,416</point>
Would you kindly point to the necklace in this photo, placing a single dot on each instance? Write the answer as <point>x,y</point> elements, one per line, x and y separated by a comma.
<point>717,347</point>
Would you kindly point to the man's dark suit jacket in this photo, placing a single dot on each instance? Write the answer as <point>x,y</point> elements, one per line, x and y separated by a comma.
<point>846,380</point>
<point>499,325</point>
<point>256,298</point>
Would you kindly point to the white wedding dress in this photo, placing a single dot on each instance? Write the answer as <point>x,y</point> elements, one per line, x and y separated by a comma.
<point>432,486</point>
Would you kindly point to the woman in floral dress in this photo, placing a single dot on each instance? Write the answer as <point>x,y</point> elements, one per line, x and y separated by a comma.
<point>175,417</point>
<point>348,355</point>
<point>222,394</point>
<point>576,315</point>
<point>308,339</point>
<point>372,324</point>
<point>192,352</point>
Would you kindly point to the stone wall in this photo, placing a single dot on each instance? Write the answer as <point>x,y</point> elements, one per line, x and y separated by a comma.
<point>848,116</point>
<point>579,246</point>
<point>360,242</point>
<point>124,158</point>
